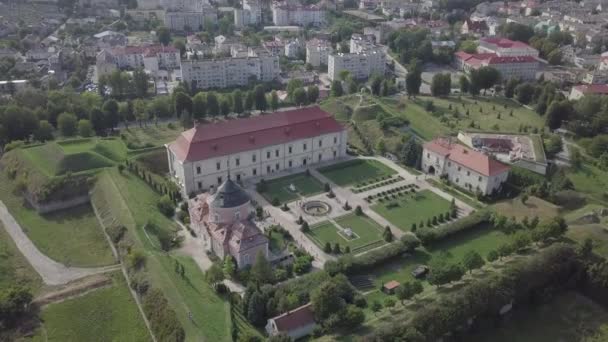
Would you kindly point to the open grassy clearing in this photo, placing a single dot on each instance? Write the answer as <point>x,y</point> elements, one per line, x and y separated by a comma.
<point>71,236</point>
<point>445,121</point>
<point>534,206</point>
<point>598,233</point>
<point>106,314</point>
<point>356,171</point>
<point>342,107</point>
<point>568,317</point>
<point>151,135</point>
<point>367,233</point>
<point>416,208</point>
<point>591,181</point>
<point>14,268</point>
<point>58,158</point>
<point>134,204</point>
<point>279,187</point>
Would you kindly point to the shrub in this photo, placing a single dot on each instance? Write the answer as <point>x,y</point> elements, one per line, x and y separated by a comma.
<point>305,228</point>
<point>326,187</point>
<point>358,211</point>
<point>276,202</point>
<point>428,236</point>
<point>163,320</point>
<point>116,233</point>
<point>139,282</point>
<point>135,259</point>
<point>166,206</point>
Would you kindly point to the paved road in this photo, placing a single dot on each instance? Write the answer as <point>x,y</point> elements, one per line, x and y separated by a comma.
<point>52,272</point>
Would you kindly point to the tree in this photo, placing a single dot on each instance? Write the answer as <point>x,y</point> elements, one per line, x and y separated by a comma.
<point>44,131</point>
<point>389,302</point>
<point>492,255</point>
<point>336,89</point>
<point>225,106</point>
<point>413,81</point>
<point>353,317</point>
<point>331,297</point>
<point>140,110</point>
<point>260,98</point>
<point>411,153</point>
<point>441,85</point>
<point>443,272</point>
<point>585,250</point>
<point>256,310</point>
<point>376,306</point>
<point>381,147</point>
<point>165,206</point>
<point>229,266</point>
<point>85,129</point>
<point>464,84</point>
<point>110,112</point>
<point>524,93</point>
<point>387,235</point>
<point>237,101</point>
<point>292,86</point>
<point>282,337</point>
<point>468,46</point>
<point>313,94</point>
<point>164,35</point>
<point>250,99</point>
<point>261,271</point>
<point>555,57</point>
<point>214,275</point>
<point>67,124</point>
<point>327,248</point>
<point>557,112</point>
<point>299,97</point>
<point>517,31</point>
<point>274,100</point>
<point>510,87</point>
<point>199,105</point>
<point>14,303</point>
<point>485,78</point>
<point>213,105</point>
<point>140,82</point>
<point>375,83</point>
<point>408,290</point>
<point>182,103</point>
<point>472,260</point>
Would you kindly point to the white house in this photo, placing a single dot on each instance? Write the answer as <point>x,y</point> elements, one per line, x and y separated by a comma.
<point>202,157</point>
<point>317,52</point>
<point>464,167</point>
<point>284,14</point>
<point>296,323</point>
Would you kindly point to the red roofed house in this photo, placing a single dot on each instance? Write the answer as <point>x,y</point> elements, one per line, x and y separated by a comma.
<point>474,27</point>
<point>580,91</point>
<point>464,167</point>
<point>259,146</point>
<point>296,323</point>
<point>522,67</point>
<point>503,47</point>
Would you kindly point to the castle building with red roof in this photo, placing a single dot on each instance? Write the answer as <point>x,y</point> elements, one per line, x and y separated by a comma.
<point>504,47</point>
<point>464,167</point>
<point>522,67</point>
<point>224,221</point>
<point>201,158</point>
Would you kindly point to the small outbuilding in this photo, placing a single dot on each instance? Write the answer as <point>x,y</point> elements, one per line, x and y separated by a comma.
<point>389,288</point>
<point>296,323</point>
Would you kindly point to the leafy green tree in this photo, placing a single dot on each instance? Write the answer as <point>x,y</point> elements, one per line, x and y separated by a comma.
<point>260,98</point>
<point>183,103</point>
<point>389,302</point>
<point>97,120</point>
<point>485,78</point>
<point>464,84</point>
<point>261,271</point>
<point>472,260</point>
<point>387,235</point>
<point>443,271</point>
<point>413,80</point>
<point>225,106</point>
<point>140,110</point>
<point>256,311</point>
<point>376,306</point>
<point>237,99</point>
<point>214,275</point>
<point>300,97</point>
<point>44,131</point>
<point>292,86</point>
<point>408,290</point>
<point>213,105</point>
<point>492,255</point>
<point>164,35</point>
<point>199,105</point>
<point>336,89</point>
<point>313,94</point>
<point>274,101</point>
<point>67,124</point>
<point>85,129</point>
<point>524,93</point>
<point>441,84</point>
<point>510,86</point>
<point>557,112</point>
<point>411,153</point>
<point>229,266</point>
<point>110,112</point>
<point>140,82</point>
<point>250,99</point>
<point>585,250</point>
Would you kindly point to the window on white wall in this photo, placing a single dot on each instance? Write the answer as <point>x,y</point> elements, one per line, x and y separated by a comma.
<point>335,140</point>
<point>198,170</point>
<point>253,158</point>
<point>217,165</point>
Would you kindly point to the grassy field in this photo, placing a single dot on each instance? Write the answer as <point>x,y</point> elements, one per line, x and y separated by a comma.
<point>71,236</point>
<point>355,171</point>
<point>150,136</point>
<point>279,188</point>
<point>533,207</point>
<point>368,233</point>
<point>14,268</point>
<point>133,203</point>
<point>413,209</point>
<point>590,180</point>
<point>569,317</point>
<point>58,158</point>
<point>444,121</point>
<point>341,108</point>
<point>277,242</point>
<point>598,233</point>
<point>106,314</point>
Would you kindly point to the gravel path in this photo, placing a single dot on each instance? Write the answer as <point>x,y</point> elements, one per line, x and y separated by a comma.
<point>52,272</point>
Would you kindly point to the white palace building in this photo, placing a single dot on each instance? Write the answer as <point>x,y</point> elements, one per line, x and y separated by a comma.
<point>202,157</point>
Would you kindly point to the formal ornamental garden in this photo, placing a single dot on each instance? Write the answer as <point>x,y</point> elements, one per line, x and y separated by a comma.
<point>356,171</point>
<point>352,234</point>
<point>289,188</point>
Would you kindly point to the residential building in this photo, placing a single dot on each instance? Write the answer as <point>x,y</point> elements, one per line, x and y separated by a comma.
<point>295,323</point>
<point>503,47</point>
<point>152,58</point>
<point>260,146</point>
<point>190,21</point>
<point>293,48</point>
<point>581,90</point>
<point>464,167</point>
<point>284,14</point>
<point>224,220</point>
<point>477,28</point>
<point>317,52</point>
<point>274,47</point>
<point>522,67</point>
<point>250,14</point>
<point>235,71</point>
<point>364,59</point>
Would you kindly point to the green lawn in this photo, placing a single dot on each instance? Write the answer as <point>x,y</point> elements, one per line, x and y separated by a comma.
<point>106,314</point>
<point>279,187</point>
<point>598,233</point>
<point>444,120</point>
<point>368,233</point>
<point>14,268</point>
<point>150,136</point>
<point>277,242</point>
<point>590,180</point>
<point>71,236</point>
<point>355,171</point>
<point>133,203</point>
<point>568,317</point>
<point>413,209</point>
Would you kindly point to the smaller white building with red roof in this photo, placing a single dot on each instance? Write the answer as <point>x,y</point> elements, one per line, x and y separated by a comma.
<point>464,167</point>
<point>522,67</point>
<point>579,91</point>
<point>295,323</point>
<point>504,47</point>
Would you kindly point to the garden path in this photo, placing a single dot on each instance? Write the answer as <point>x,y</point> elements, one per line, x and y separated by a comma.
<point>51,272</point>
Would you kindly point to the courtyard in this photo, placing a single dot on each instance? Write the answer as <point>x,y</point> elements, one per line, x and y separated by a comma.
<point>406,211</point>
<point>280,188</point>
<point>364,233</point>
<point>356,171</point>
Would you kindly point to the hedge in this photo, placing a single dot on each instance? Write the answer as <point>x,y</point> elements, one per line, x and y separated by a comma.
<point>349,264</point>
<point>429,235</point>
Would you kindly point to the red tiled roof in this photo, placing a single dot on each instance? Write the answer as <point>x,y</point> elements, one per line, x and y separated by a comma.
<point>592,88</point>
<point>146,50</point>
<point>478,59</point>
<point>295,319</point>
<point>391,285</point>
<point>511,59</point>
<point>504,43</point>
<point>228,137</point>
<point>471,159</point>
<point>476,25</point>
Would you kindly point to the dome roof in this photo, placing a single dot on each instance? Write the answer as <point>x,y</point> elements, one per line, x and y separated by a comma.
<point>229,195</point>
